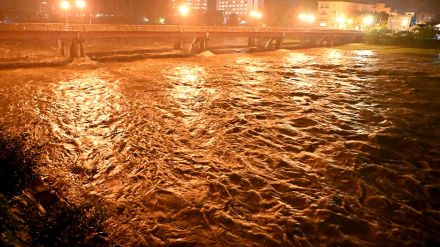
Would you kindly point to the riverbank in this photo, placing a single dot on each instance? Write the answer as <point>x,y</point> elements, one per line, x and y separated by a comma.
<point>32,213</point>
<point>391,49</point>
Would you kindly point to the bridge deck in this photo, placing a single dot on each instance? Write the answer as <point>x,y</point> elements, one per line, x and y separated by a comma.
<point>59,27</point>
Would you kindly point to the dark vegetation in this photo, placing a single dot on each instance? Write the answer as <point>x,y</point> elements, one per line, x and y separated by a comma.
<point>423,37</point>
<point>32,214</point>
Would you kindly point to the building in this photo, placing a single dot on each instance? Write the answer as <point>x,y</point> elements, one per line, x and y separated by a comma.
<point>347,14</point>
<point>402,22</point>
<point>239,7</point>
<point>198,5</point>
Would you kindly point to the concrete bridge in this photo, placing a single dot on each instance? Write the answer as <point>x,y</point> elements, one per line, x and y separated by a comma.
<point>188,39</point>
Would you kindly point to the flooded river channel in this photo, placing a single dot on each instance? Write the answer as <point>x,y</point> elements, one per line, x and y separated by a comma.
<point>311,147</point>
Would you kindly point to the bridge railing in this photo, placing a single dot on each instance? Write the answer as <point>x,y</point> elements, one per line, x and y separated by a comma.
<point>60,27</point>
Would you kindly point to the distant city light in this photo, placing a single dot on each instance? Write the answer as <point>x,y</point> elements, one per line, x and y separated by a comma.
<point>350,21</point>
<point>340,19</point>
<point>304,17</point>
<point>256,14</point>
<point>183,10</point>
<point>81,4</point>
<point>404,22</point>
<point>65,5</point>
<point>162,20</point>
<point>368,20</point>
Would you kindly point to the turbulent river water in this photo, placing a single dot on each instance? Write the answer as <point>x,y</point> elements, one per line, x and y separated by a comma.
<point>308,147</point>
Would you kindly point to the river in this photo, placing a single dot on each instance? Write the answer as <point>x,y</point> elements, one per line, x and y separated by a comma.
<point>310,147</point>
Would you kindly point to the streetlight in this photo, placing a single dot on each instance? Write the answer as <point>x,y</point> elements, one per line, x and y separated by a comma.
<point>404,24</point>
<point>368,20</point>
<point>257,15</point>
<point>311,18</point>
<point>65,5</point>
<point>184,11</point>
<point>307,18</point>
<point>341,21</point>
<point>81,4</point>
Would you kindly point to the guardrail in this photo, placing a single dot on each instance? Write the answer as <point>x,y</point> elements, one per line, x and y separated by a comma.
<point>59,27</point>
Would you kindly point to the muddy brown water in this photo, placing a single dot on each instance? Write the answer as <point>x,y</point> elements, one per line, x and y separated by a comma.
<point>313,147</point>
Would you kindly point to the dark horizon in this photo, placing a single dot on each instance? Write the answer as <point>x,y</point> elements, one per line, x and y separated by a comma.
<point>401,5</point>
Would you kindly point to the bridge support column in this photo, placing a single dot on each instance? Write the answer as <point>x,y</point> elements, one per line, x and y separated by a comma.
<point>76,48</point>
<point>251,42</point>
<point>198,45</point>
<point>279,42</point>
<point>178,44</point>
<point>193,45</point>
<point>73,51</point>
<point>264,43</point>
<point>61,47</point>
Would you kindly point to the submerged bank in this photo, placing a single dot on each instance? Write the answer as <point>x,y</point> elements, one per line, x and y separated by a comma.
<point>391,49</point>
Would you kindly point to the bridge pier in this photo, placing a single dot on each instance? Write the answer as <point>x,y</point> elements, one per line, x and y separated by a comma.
<point>251,42</point>
<point>76,48</point>
<point>61,47</point>
<point>178,44</point>
<point>279,42</point>
<point>266,43</point>
<point>192,45</point>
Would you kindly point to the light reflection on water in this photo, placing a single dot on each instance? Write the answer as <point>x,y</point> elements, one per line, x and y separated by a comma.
<point>189,92</point>
<point>287,148</point>
<point>335,57</point>
<point>82,120</point>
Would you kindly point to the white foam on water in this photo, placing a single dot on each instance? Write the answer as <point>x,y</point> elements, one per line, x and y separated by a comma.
<point>205,54</point>
<point>82,61</point>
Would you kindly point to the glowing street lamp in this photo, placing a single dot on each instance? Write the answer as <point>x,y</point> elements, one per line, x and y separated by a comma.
<point>311,18</point>
<point>183,11</point>
<point>81,4</point>
<point>368,20</point>
<point>341,21</point>
<point>307,18</point>
<point>65,5</point>
<point>257,15</point>
<point>404,24</point>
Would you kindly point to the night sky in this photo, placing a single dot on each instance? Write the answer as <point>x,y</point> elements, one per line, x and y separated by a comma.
<point>411,5</point>
<point>431,6</point>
